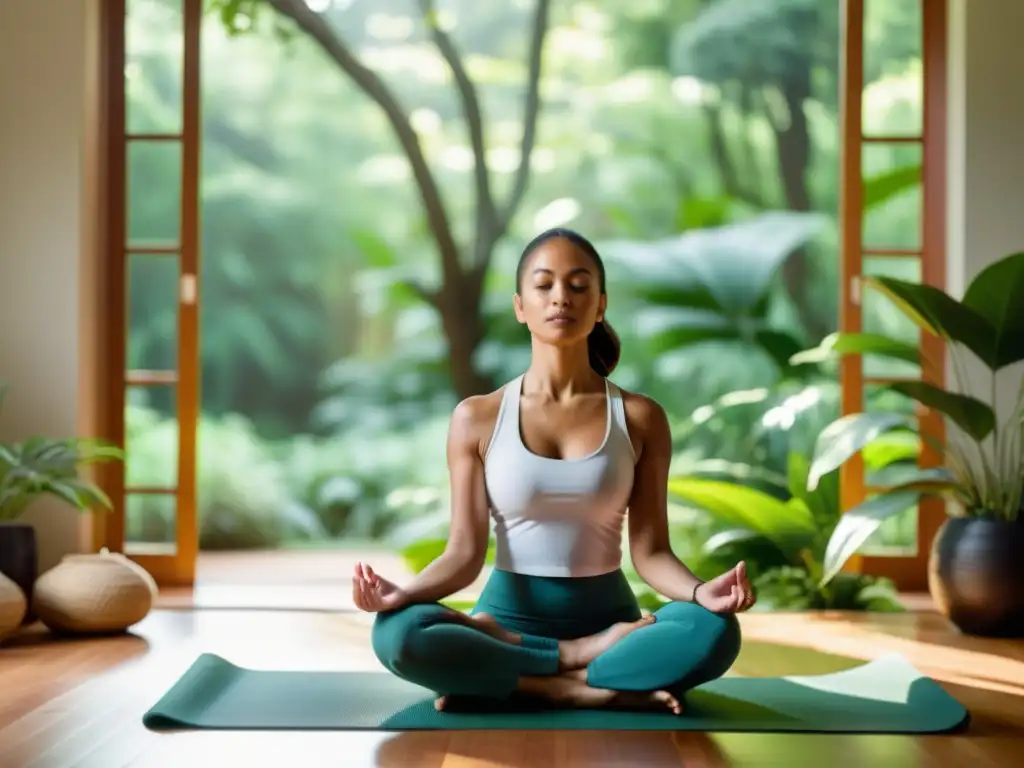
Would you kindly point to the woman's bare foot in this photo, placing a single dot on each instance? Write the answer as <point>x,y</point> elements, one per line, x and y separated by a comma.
<point>487,623</point>
<point>572,690</point>
<point>576,654</point>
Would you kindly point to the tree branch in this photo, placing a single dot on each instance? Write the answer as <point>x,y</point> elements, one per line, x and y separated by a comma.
<point>531,109</point>
<point>486,215</point>
<point>430,297</point>
<point>313,24</point>
<point>723,159</point>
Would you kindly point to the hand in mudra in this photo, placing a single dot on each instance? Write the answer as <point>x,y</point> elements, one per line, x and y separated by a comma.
<point>729,593</point>
<point>373,593</point>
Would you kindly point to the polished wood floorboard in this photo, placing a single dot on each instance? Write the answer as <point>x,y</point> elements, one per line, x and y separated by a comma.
<point>79,702</point>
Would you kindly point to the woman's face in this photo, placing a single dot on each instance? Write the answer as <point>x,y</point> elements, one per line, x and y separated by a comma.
<point>560,297</point>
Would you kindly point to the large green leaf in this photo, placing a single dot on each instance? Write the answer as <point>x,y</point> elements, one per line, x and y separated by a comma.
<point>733,472</point>
<point>857,525</point>
<point>930,480</point>
<point>724,549</point>
<point>789,526</point>
<point>939,313</point>
<point>973,416</point>
<point>779,346</point>
<point>884,186</point>
<point>734,264</point>
<point>995,295</point>
<point>837,344</point>
<point>846,436</point>
<point>668,328</point>
<point>823,500</point>
<point>890,448</point>
<point>738,262</point>
<point>729,538</point>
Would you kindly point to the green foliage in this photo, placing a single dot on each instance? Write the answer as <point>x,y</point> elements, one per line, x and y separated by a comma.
<point>766,43</point>
<point>42,466</point>
<point>243,496</point>
<point>325,388</point>
<point>789,588</point>
<point>713,284</point>
<point>789,527</point>
<point>304,189</point>
<point>419,554</point>
<point>983,465</point>
<point>757,43</point>
<point>255,493</point>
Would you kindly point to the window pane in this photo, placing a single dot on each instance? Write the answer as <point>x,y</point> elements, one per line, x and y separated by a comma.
<point>151,522</point>
<point>151,437</point>
<point>154,193</point>
<point>893,196</point>
<point>879,315</point>
<point>152,312</point>
<point>896,537</point>
<point>893,76</point>
<point>154,64</point>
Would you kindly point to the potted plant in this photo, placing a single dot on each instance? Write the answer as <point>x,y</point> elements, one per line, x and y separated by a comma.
<point>976,576</point>
<point>40,467</point>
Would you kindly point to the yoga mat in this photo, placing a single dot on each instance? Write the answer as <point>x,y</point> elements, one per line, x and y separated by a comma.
<point>886,695</point>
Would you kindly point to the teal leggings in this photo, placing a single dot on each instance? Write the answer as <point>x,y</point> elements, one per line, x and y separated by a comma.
<point>423,643</point>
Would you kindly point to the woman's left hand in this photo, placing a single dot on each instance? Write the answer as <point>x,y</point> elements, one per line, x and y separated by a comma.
<point>729,593</point>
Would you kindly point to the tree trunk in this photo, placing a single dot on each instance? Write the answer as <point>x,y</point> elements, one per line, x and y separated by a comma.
<point>794,144</point>
<point>460,304</point>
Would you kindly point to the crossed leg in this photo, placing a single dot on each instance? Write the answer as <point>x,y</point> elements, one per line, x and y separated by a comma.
<point>645,663</point>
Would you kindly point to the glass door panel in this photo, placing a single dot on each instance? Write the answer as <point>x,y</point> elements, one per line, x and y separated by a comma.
<point>893,141</point>
<point>154,105</point>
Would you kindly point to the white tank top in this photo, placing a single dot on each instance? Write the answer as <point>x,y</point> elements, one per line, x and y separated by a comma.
<point>558,517</point>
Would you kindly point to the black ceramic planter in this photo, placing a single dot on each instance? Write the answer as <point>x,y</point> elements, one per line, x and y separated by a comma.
<point>976,576</point>
<point>18,559</point>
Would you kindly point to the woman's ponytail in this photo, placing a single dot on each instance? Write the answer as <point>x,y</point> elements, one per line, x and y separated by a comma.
<point>604,348</point>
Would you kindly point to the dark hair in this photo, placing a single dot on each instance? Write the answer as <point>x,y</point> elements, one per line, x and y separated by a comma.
<point>603,343</point>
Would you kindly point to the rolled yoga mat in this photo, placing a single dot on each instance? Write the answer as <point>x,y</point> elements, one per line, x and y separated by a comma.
<point>886,695</point>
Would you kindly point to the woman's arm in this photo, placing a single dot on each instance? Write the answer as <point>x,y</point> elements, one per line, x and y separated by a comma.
<point>649,545</point>
<point>463,558</point>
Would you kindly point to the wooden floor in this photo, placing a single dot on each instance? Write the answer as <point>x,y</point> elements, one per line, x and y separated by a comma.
<point>80,702</point>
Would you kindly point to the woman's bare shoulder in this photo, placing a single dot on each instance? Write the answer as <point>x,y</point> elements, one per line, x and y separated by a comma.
<point>643,410</point>
<point>474,418</point>
<point>647,422</point>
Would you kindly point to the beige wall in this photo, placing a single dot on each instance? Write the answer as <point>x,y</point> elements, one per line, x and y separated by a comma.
<point>986,153</point>
<point>43,232</point>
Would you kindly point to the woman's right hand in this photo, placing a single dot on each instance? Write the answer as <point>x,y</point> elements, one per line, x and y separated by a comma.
<point>373,593</point>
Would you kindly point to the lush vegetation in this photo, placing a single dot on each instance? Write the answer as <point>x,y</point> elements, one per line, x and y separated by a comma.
<point>978,465</point>
<point>370,171</point>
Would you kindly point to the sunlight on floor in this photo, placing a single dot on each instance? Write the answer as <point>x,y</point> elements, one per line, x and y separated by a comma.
<point>850,638</point>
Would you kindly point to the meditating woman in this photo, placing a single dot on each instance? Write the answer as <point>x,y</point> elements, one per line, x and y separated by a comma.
<point>557,457</point>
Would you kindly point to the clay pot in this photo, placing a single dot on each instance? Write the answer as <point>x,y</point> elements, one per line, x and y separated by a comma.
<point>13,606</point>
<point>18,559</point>
<point>976,575</point>
<point>103,593</point>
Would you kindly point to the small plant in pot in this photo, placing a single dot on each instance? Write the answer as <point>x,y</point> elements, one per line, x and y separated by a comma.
<point>35,468</point>
<point>975,573</point>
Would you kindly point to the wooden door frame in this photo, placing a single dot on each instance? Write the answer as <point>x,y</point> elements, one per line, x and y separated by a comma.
<point>909,573</point>
<point>113,251</point>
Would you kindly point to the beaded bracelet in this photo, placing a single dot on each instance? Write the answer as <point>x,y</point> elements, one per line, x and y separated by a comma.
<point>693,597</point>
